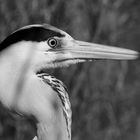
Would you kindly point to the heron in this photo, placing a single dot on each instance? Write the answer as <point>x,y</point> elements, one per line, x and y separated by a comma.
<point>29,91</point>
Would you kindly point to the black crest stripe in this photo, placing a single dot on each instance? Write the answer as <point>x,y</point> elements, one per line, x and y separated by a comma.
<point>33,33</point>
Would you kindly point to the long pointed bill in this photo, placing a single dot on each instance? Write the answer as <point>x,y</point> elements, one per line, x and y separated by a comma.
<point>85,50</point>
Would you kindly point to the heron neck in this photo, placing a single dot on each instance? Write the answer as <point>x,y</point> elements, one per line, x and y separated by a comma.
<point>14,67</point>
<point>52,132</point>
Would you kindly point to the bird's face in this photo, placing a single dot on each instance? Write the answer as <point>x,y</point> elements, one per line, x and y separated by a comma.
<point>55,48</point>
<point>63,50</point>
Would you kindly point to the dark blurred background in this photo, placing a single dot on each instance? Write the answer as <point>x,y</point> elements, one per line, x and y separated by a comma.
<point>105,95</point>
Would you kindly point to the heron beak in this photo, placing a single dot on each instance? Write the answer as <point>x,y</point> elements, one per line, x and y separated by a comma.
<point>88,51</point>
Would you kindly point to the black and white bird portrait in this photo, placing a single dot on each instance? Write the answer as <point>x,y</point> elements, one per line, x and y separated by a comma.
<point>59,57</point>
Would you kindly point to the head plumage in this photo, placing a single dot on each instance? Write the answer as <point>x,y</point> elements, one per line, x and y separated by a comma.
<point>34,33</point>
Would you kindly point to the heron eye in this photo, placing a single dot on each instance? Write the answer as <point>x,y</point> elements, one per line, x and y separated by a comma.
<point>52,42</point>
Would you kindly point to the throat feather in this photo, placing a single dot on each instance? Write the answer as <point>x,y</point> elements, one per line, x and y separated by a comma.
<point>61,90</point>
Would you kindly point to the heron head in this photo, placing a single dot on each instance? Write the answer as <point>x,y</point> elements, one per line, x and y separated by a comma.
<point>51,47</point>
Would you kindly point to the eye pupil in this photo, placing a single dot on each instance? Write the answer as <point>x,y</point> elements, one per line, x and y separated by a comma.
<point>52,42</point>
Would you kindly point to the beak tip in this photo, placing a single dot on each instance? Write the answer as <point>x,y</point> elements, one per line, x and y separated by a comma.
<point>137,55</point>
